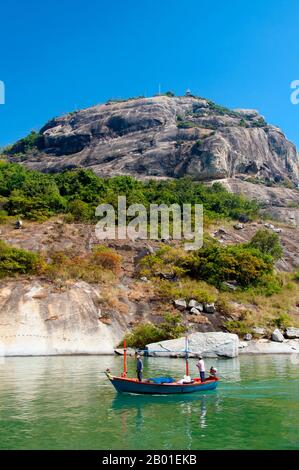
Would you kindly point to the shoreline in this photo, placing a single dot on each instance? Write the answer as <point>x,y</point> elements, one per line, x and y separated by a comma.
<point>209,345</point>
<point>267,351</point>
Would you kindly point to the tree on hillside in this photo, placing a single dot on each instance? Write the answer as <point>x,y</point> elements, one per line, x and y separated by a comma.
<point>268,243</point>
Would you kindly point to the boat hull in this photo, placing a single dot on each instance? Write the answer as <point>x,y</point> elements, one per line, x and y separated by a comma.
<point>123,385</point>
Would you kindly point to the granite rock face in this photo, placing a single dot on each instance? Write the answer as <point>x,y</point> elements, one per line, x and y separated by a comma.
<point>164,137</point>
<point>277,202</point>
<point>37,319</point>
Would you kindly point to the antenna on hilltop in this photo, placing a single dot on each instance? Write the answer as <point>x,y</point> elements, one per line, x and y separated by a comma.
<point>159,92</point>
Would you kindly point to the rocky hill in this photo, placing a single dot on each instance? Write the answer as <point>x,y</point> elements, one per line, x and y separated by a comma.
<point>45,316</point>
<point>149,138</point>
<point>163,136</point>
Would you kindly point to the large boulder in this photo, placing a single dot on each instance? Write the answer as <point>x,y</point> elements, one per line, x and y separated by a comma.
<point>194,304</point>
<point>180,304</point>
<point>195,311</point>
<point>258,331</point>
<point>213,344</point>
<point>277,336</point>
<point>209,308</point>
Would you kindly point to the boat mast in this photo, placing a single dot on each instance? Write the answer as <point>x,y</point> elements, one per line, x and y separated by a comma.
<point>125,358</point>
<point>187,350</point>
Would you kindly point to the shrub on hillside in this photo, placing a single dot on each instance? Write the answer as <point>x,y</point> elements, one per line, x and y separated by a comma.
<point>17,261</point>
<point>146,333</point>
<point>186,289</point>
<point>283,321</point>
<point>32,141</point>
<point>107,258</point>
<point>268,243</point>
<point>166,260</point>
<point>35,208</point>
<point>99,266</point>
<point>78,192</point>
<point>80,211</point>
<point>240,263</point>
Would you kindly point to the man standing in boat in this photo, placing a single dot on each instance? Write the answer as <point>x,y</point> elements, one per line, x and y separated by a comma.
<point>201,368</point>
<point>139,368</point>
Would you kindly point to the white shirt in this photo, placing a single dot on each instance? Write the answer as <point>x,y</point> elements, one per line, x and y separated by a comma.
<point>201,365</point>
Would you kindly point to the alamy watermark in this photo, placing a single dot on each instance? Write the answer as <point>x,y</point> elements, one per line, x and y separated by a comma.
<point>295,93</point>
<point>2,92</point>
<point>159,222</point>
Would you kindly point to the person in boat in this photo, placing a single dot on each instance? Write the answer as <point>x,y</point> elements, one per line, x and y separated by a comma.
<point>139,367</point>
<point>201,368</point>
<point>186,380</point>
<point>213,372</point>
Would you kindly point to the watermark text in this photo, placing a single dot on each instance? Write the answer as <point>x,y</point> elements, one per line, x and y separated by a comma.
<point>2,92</point>
<point>295,93</point>
<point>158,222</point>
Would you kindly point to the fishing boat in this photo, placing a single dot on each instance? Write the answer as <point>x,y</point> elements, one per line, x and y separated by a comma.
<point>160,385</point>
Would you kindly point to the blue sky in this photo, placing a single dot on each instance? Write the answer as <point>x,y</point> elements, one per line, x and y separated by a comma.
<point>57,56</point>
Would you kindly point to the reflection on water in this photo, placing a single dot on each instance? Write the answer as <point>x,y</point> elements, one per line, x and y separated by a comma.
<point>190,406</point>
<point>67,402</point>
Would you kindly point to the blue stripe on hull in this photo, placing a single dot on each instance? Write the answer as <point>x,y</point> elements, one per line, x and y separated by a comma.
<point>131,387</point>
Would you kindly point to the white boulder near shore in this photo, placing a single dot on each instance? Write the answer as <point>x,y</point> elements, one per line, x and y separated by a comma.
<point>292,333</point>
<point>277,336</point>
<point>265,346</point>
<point>212,344</point>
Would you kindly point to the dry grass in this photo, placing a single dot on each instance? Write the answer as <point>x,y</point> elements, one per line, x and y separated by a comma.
<point>112,298</point>
<point>93,268</point>
<point>140,290</point>
<point>199,319</point>
<point>280,309</point>
<point>107,258</point>
<point>185,288</point>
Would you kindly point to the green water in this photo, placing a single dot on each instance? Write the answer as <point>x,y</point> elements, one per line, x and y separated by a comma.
<point>67,403</point>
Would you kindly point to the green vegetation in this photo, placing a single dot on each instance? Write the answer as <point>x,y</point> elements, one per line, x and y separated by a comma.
<point>260,122</point>
<point>124,100</point>
<point>146,333</point>
<point>241,326</point>
<point>103,264</point>
<point>264,307</point>
<point>37,196</point>
<point>28,193</point>
<point>215,264</point>
<point>268,243</point>
<point>14,261</point>
<point>185,289</point>
<point>223,110</point>
<point>283,321</point>
<point>247,322</point>
<point>270,298</point>
<point>170,94</point>
<point>34,140</point>
<point>186,124</point>
<point>243,123</point>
